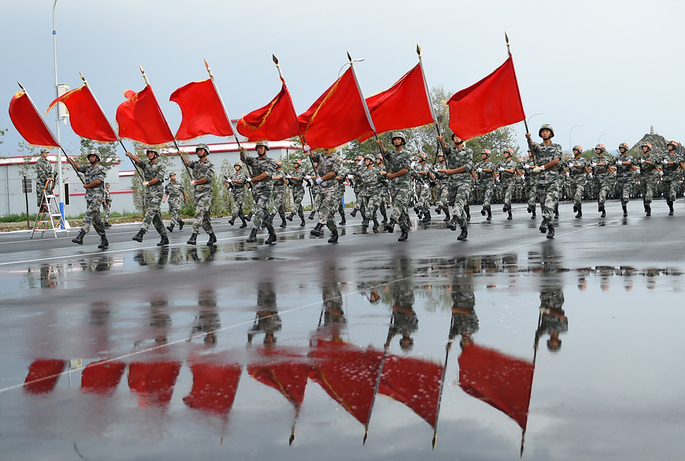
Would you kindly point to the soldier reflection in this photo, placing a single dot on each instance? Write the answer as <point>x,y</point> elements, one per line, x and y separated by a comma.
<point>552,319</point>
<point>207,321</point>
<point>464,320</point>
<point>159,322</point>
<point>404,320</point>
<point>267,320</point>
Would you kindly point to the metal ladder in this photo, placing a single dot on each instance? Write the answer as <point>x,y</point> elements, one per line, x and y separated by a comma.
<point>54,217</point>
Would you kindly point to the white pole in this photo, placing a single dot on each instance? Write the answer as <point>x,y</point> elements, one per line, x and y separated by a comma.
<point>60,181</point>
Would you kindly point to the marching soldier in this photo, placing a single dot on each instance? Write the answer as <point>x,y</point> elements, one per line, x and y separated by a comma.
<point>399,164</point>
<point>578,170</point>
<point>624,176</point>
<point>547,156</point>
<point>279,187</point>
<point>94,181</point>
<point>203,175</point>
<point>671,178</point>
<point>174,191</point>
<point>237,184</point>
<point>45,180</point>
<point>649,171</point>
<point>459,168</point>
<point>153,173</point>
<point>370,185</point>
<point>486,182</point>
<point>106,206</point>
<point>443,187</point>
<point>385,193</point>
<point>507,170</point>
<point>296,181</point>
<point>328,166</point>
<point>529,184</point>
<point>602,169</point>
<point>263,169</point>
<point>426,177</point>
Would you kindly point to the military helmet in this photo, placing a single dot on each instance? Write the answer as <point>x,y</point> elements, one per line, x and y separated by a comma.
<point>672,143</point>
<point>44,151</point>
<point>95,153</point>
<point>648,145</point>
<point>399,134</point>
<point>423,156</point>
<point>379,157</point>
<point>600,147</point>
<point>173,173</point>
<point>279,163</point>
<point>455,134</point>
<point>509,151</point>
<point>238,164</point>
<point>624,145</point>
<point>262,143</point>
<point>441,154</point>
<point>297,162</point>
<point>369,157</point>
<point>578,148</point>
<point>546,126</point>
<point>486,152</point>
<point>202,146</point>
<point>154,150</point>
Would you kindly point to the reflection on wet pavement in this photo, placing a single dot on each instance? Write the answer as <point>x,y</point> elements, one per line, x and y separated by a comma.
<point>391,357</point>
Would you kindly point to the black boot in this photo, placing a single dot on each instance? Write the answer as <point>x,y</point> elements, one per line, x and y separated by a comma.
<point>550,231</point>
<point>181,223</point>
<point>482,211</point>
<point>384,214</point>
<point>427,216</point>
<point>390,226</point>
<point>290,216</point>
<point>311,215</point>
<point>163,241</point>
<point>556,214</point>
<point>192,240</point>
<point>468,212</point>
<point>452,225</point>
<point>670,207</point>
<point>509,216</point>
<point>489,210</point>
<point>79,238</point>
<point>343,221</point>
<point>579,209</point>
<point>232,220</point>
<point>104,244</point>
<point>648,209</point>
<point>317,232</point>
<point>334,236</point>
<point>624,206</point>
<point>253,236</point>
<point>533,215</point>
<point>575,207</point>
<point>272,235</point>
<point>170,227</point>
<point>282,215</point>
<point>301,215</point>
<point>603,210</point>
<point>353,213</point>
<point>438,210</point>
<point>543,225</point>
<point>365,224</point>
<point>244,224</point>
<point>464,233</point>
<point>403,236</point>
<point>249,217</point>
<point>107,225</point>
<point>375,226</point>
<point>139,236</point>
<point>447,214</point>
<point>212,239</point>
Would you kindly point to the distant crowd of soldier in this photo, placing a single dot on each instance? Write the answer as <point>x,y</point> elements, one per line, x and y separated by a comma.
<point>394,178</point>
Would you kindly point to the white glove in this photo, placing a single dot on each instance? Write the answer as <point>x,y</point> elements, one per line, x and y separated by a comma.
<point>319,180</point>
<point>594,164</point>
<point>425,186</point>
<point>568,175</point>
<point>497,180</point>
<point>479,170</point>
<point>361,162</point>
<point>194,182</point>
<point>501,168</point>
<point>642,160</point>
<point>146,183</point>
<point>537,169</point>
<point>249,180</point>
<point>637,171</point>
<point>665,162</point>
<point>591,176</point>
<point>350,176</point>
<point>307,148</point>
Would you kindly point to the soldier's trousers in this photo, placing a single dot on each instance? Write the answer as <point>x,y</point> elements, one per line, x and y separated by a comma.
<point>153,215</point>
<point>508,187</point>
<point>442,194</point>
<point>106,210</point>
<point>623,189</point>
<point>461,201</point>
<point>298,196</point>
<point>604,188</point>
<point>647,184</point>
<point>203,204</point>
<point>92,217</point>
<point>670,189</point>
<point>329,205</point>
<point>532,194</point>
<point>238,203</point>
<point>371,203</point>
<point>174,208</point>
<point>487,188</point>
<point>548,196</point>
<point>264,208</point>
<point>400,204</point>
<point>579,186</point>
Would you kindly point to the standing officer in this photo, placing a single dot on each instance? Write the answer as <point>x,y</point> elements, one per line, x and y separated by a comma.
<point>45,180</point>
<point>624,176</point>
<point>578,170</point>
<point>174,191</point>
<point>602,170</point>
<point>459,168</point>
<point>94,181</point>
<point>649,171</point>
<point>507,170</point>
<point>263,169</point>
<point>399,165</point>
<point>671,178</point>
<point>486,182</point>
<point>328,166</point>
<point>547,156</point>
<point>203,175</point>
<point>153,173</point>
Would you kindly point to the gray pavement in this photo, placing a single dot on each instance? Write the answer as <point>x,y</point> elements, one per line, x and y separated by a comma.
<point>141,352</point>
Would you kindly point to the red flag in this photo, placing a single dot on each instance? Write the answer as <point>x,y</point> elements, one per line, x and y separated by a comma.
<point>214,387</point>
<point>43,375</point>
<point>404,105</point>
<point>273,122</point>
<point>202,109</point>
<point>153,382</point>
<point>499,380</point>
<point>29,123</point>
<point>102,377</point>
<point>140,118</point>
<point>493,102</point>
<point>85,115</point>
<point>338,116</point>
<point>284,371</point>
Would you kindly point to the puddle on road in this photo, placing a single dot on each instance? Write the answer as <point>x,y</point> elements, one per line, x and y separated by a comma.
<point>474,358</point>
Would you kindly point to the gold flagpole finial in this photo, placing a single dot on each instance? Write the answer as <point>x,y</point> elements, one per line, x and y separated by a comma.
<point>418,50</point>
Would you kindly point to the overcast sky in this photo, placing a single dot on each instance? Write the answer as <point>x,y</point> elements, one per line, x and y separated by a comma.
<point>612,67</point>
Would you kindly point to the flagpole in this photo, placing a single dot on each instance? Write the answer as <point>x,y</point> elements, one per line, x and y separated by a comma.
<point>85,82</point>
<point>530,392</point>
<point>147,83</point>
<point>448,348</point>
<point>425,85</point>
<point>525,122</point>
<point>366,107</point>
<point>51,134</point>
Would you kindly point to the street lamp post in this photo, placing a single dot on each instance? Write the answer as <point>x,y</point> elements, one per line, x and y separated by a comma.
<point>535,114</point>
<point>570,144</point>
<point>60,180</point>
<point>600,137</point>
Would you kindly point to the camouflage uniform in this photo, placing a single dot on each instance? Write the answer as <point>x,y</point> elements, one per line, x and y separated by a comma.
<point>507,180</point>
<point>341,177</point>
<point>649,172</point>
<point>548,181</point>
<point>329,189</point>
<point>262,191</point>
<point>600,166</point>
<point>238,191</point>
<point>400,186</point>
<point>671,179</point>
<point>106,205</point>
<point>578,173</point>
<point>296,183</point>
<point>154,194</point>
<point>174,190</point>
<point>486,182</point>
<point>93,198</point>
<point>423,188</point>
<point>460,183</point>
<point>442,193</point>
<point>203,194</point>
<point>44,172</point>
<point>530,184</point>
<point>370,184</point>
<point>624,177</point>
<point>279,187</point>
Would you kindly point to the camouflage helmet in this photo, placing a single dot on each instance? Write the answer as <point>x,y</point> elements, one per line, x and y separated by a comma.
<point>263,144</point>
<point>297,162</point>
<point>238,164</point>
<point>453,135</point>
<point>509,151</point>
<point>546,126</point>
<point>648,145</point>
<point>441,154</point>
<point>423,156</point>
<point>44,151</point>
<point>279,164</point>
<point>600,147</point>
<point>400,135</point>
<point>173,173</point>
<point>95,153</point>
<point>202,146</point>
<point>154,150</point>
<point>485,152</point>
<point>672,143</point>
<point>624,145</point>
<point>369,157</point>
<point>578,148</point>
<point>379,157</point>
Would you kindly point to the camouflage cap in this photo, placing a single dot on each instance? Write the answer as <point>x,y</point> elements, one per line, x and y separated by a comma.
<point>173,173</point>
<point>672,143</point>
<point>202,146</point>
<point>485,152</point>
<point>648,145</point>
<point>154,150</point>
<point>238,164</point>
<point>400,135</point>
